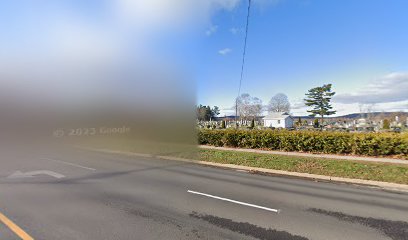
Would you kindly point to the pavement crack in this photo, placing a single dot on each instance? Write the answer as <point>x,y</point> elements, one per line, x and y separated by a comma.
<point>247,229</point>
<point>397,230</point>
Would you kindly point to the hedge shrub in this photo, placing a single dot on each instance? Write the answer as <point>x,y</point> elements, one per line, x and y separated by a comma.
<point>369,144</point>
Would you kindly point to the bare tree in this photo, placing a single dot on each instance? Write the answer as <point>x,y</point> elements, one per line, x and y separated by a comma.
<point>248,107</point>
<point>370,112</point>
<point>279,103</point>
<point>361,108</point>
<point>366,111</point>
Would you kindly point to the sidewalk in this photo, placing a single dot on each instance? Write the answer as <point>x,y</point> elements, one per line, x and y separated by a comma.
<point>327,156</point>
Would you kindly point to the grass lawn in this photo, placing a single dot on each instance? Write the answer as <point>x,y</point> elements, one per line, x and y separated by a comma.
<point>337,168</point>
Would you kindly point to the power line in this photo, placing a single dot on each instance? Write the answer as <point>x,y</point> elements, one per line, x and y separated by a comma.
<point>245,46</point>
<point>243,60</point>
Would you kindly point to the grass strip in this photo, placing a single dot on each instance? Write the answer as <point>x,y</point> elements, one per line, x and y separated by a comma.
<point>384,172</point>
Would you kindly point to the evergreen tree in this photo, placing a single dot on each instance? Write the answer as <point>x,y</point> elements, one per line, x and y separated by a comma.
<point>319,98</point>
<point>299,122</point>
<point>206,113</point>
<point>316,123</point>
<point>386,124</point>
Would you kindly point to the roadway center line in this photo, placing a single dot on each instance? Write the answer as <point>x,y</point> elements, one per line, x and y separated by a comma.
<point>16,229</point>
<point>234,201</point>
<point>71,164</point>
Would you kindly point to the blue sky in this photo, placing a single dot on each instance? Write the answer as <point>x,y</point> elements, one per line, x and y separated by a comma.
<point>293,45</point>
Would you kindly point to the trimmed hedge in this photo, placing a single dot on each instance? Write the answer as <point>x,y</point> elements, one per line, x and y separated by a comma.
<point>369,144</point>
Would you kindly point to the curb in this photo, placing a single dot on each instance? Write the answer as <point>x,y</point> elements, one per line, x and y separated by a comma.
<point>376,184</point>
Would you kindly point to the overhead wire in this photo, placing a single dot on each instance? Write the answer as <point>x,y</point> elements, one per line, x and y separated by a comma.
<point>243,59</point>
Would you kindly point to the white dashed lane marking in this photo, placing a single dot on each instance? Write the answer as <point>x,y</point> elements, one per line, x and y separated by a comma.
<point>234,201</point>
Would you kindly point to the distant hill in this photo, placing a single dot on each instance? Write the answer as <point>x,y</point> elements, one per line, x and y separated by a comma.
<point>373,115</point>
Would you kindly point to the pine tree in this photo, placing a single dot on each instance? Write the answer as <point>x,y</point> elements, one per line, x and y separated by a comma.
<point>319,98</point>
<point>316,123</point>
<point>252,124</point>
<point>299,122</point>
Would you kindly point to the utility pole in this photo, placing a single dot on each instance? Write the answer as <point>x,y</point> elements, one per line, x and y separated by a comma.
<point>236,113</point>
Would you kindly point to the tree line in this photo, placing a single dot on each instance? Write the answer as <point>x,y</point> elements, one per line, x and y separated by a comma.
<point>206,113</point>
<point>249,107</point>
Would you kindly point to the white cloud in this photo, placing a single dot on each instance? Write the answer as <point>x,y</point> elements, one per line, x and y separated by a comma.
<point>297,104</point>
<point>235,30</point>
<point>211,30</point>
<point>224,51</point>
<point>390,88</point>
<point>401,106</point>
<point>170,13</point>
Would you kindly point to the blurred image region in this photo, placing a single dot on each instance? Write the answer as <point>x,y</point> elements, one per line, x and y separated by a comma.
<point>88,77</point>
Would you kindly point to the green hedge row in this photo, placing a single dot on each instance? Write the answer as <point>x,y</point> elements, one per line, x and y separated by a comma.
<point>369,144</point>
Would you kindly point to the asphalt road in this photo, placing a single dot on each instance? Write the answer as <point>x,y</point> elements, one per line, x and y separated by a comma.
<point>87,195</point>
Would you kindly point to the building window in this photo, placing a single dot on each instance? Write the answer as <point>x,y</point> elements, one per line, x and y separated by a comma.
<point>278,121</point>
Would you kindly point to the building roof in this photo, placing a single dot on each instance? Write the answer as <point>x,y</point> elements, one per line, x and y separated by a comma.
<point>277,115</point>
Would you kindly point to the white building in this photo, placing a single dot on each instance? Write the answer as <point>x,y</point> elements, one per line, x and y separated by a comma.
<point>362,123</point>
<point>278,120</point>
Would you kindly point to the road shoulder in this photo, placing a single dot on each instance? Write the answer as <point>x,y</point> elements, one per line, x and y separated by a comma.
<point>368,183</point>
